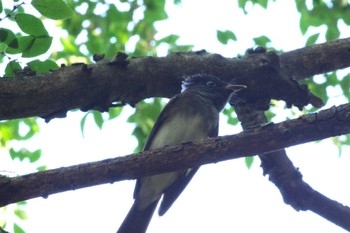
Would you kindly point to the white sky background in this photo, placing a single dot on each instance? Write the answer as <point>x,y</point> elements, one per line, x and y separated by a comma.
<point>223,197</point>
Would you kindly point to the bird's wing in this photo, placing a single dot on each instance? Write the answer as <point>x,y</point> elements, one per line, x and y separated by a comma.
<point>174,191</point>
<point>167,111</point>
<point>161,119</point>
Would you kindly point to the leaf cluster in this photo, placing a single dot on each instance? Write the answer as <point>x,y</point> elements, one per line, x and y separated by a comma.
<point>32,39</point>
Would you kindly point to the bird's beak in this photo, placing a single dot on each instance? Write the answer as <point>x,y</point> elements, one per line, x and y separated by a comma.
<point>235,88</point>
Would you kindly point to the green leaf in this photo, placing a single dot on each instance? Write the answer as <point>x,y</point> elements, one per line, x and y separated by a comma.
<point>1,8</point>
<point>33,128</point>
<point>53,9</point>
<point>304,23</point>
<point>114,112</point>
<point>3,47</point>
<point>171,39</point>
<point>35,156</point>
<point>42,168</point>
<point>14,154</point>
<point>262,3</point>
<point>301,6</point>
<point>346,17</point>
<point>21,214</point>
<point>42,66</point>
<point>14,44</point>
<point>4,34</point>
<point>68,44</point>
<point>144,116</point>
<point>332,79</point>
<point>241,4</point>
<point>345,86</point>
<point>155,11</point>
<point>40,46</point>
<point>12,68</point>
<point>319,90</point>
<point>24,43</point>
<point>30,24</point>
<point>312,39</point>
<point>225,36</point>
<point>98,119</point>
<point>269,115</point>
<point>21,203</point>
<point>347,140</point>
<point>249,161</point>
<point>261,40</point>
<point>17,229</point>
<point>231,116</point>
<point>332,32</point>
<point>82,123</point>
<point>8,37</point>
<point>25,153</point>
<point>339,144</point>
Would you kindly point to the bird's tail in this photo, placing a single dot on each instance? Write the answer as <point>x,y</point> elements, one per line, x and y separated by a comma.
<point>137,220</point>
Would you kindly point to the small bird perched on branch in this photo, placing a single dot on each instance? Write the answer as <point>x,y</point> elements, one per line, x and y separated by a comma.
<point>191,115</point>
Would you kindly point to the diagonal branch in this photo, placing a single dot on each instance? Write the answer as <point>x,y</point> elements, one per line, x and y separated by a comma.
<point>311,127</point>
<point>288,179</point>
<point>98,86</point>
<point>298,193</point>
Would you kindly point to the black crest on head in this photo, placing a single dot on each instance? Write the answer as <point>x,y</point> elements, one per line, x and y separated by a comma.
<point>205,81</point>
<point>209,87</point>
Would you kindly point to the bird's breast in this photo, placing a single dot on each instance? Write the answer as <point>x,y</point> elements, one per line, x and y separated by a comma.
<point>183,128</point>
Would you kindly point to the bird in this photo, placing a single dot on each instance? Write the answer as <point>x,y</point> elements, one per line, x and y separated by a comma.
<point>191,115</point>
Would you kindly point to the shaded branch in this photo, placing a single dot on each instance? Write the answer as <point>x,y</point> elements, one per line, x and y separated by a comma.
<point>98,86</point>
<point>299,194</point>
<point>311,127</point>
<point>316,59</point>
<point>288,179</point>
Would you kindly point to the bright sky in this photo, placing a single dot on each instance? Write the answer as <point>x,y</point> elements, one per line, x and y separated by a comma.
<point>223,197</point>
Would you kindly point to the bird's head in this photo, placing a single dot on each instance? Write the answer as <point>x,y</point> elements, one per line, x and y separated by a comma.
<point>212,88</point>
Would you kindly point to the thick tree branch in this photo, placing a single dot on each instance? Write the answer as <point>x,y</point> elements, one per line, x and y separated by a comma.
<point>298,193</point>
<point>317,59</point>
<point>98,86</point>
<point>288,179</point>
<point>327,123</point>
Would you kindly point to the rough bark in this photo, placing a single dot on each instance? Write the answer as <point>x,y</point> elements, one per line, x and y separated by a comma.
<point>271,137</point>
<point>127,81</point>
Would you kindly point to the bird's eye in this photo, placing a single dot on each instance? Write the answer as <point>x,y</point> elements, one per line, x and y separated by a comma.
<point>211,84</point>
